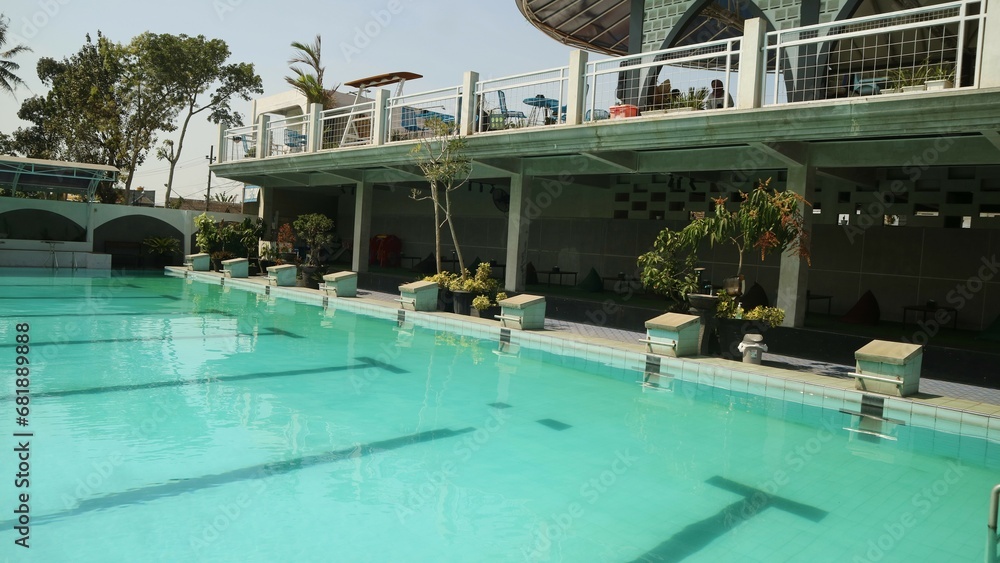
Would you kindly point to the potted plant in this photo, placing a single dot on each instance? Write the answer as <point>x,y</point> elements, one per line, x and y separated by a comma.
<point>765,220</point>
<point>733,323</point>
<point>940,76</point>
<point>692,100</point>
<point>909,79</point>
<point>163,250</point>
<point>315,230</point>
<point>466,287</point>
<point>249,233</point>
<point>485,307</point>
<point>445,297</point>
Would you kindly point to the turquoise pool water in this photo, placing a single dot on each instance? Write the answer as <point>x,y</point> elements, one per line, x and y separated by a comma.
<point>181,421</point>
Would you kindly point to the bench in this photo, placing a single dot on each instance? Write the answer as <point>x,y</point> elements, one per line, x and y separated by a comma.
<point>340,284</point>
<point>525,312</point>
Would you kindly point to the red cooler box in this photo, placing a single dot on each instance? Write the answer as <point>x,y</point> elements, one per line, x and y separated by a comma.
<point>623,111</point>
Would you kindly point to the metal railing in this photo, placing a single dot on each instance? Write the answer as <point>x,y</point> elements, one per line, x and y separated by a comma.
<point>239,143</point>
<point>287,136</point>
<point>991,526</point>
<point>891,52</point>
<point>408,116</point>
<point>347,126</point>
<point>686,78</point>
<point>529,99</point>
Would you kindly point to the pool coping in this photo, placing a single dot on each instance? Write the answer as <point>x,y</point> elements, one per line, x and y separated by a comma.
<point>939,413</point>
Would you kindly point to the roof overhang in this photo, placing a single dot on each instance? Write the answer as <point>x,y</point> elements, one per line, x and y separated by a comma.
<point>601,25</point>
<point>28,174</point>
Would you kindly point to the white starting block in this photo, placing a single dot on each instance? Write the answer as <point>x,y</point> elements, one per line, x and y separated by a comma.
<point>236,267</point>
<point>198,262</point>
<point>418,296</point>
<point>340,284</point>
<point>526,312</point>
<point>282,275</point>
<point>673,334</point>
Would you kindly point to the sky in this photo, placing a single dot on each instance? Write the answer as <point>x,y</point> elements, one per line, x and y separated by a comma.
<point>440,39</point>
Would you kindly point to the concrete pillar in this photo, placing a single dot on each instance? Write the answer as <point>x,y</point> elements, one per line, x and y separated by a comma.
<point>577,95</point>
<point>262,141</point>
<point>989,65</point>
<point>220,150</point>
<point>517,232</point>
<point>265,210</point>
<point>362,225</point>
<point>467,107</point>
<point>750,87</point>
<point>793,280</point>
<point>314,139</point>
<point>380,117</point>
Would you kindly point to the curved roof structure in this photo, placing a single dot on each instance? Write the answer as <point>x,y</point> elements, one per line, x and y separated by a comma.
<point>594,25</point>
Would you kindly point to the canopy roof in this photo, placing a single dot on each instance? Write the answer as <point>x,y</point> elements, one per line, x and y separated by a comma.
<point>594,25</point>
<point>28,174</point>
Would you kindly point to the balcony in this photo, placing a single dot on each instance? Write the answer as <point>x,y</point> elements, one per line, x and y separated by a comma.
<point>870,77</point>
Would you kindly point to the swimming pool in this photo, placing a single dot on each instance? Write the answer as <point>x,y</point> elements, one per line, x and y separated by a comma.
<point>175,419</point>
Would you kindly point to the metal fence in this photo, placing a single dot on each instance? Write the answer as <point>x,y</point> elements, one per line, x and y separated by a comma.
<point>287,136</point>
<point>239,143</point>
<point>347,126</point>
<point>524,100</point>
<point>412,116</point>
<point>686,78</point>
<point>933,47</point>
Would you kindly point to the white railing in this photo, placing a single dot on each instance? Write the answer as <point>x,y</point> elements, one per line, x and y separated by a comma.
<point>686,78</point>
<point>860,56</point>
<point>239,143</point>
<point>524,100</point>
<point>407,116</point>
<point>991,526</point>
<point>347,126</point>
<point>891,52</point>
<point>287,136</point>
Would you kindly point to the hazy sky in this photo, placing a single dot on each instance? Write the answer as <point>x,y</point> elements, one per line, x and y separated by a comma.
<point>439,39</point>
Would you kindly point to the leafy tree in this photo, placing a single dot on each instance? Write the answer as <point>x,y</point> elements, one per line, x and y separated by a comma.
<point>310,84</point>
<point>8,80</point>
<point>198,80</point>
<point>443,161</point>
<point>103,106</point>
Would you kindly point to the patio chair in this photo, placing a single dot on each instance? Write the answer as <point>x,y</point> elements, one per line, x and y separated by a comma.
<point>408,121</point>
<point>294,140</point>
<point>506,113</point>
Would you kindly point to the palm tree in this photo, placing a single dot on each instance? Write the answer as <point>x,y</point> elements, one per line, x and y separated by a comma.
<point>310,84</point>
<point>8,80</point>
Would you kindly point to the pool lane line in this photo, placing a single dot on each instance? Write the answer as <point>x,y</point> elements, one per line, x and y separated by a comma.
<point>193,314</point>
<point>269,332</point>
<point>698,535</point>
<point>184,485</point>
<point>221,378</point>
<point>101,285</point>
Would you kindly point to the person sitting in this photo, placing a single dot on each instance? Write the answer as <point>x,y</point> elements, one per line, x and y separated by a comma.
<point>717,98</point>
<point>661,96</point>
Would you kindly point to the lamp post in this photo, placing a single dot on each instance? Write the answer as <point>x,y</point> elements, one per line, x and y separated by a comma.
<point>208,186</point>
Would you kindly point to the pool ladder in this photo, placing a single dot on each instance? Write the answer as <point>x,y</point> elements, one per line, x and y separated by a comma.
<point>991,537</point>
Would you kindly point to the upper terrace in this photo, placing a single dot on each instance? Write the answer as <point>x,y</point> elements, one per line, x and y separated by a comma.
<point>828,84</point>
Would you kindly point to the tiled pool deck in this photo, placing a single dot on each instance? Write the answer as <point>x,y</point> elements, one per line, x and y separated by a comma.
<point>940,405</point>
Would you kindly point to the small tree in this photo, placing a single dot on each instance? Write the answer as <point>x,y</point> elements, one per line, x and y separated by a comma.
<point>443,161</point>
<point>315,230</point>
<point>766,219</point>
